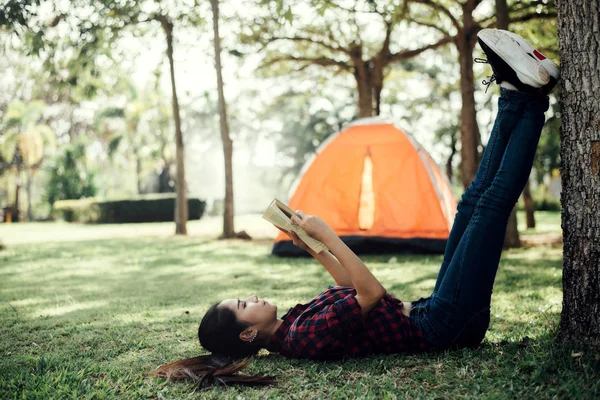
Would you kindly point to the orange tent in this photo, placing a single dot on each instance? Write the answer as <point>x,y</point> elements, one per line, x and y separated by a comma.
<point>378,189</point>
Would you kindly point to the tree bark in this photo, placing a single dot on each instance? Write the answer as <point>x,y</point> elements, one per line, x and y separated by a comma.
<point>579,46</point>
<point>181,206</point>
<point>228,227</point>
<point>469,130</point>
<point>512,238</point>
<point>364,85</point>
<point>138,172</point>
<point>502,16</point>
<point>28,188</point>
<point>529,206</point>
<point>16,209</point>
<point>449,168</point>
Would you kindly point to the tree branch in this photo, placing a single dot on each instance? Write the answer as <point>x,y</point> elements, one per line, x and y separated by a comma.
<point>309,40</point>
<point>517,7</point>
<point>352,10</point>
<point>411,53</point>
<point>322,61</point>
<point>442,9</point>
<point>528,17</point>
<point>432,26</point>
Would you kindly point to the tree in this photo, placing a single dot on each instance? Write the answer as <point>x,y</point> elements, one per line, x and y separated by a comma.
<point>580,170</point>
<point>511,238</point>
<point>25,140</point>
<point>110,18</point>
<point>228,226</point>
<point>458,23</point>
<point>69,176</point>
<point>334,37</point>
<point>128,135</point>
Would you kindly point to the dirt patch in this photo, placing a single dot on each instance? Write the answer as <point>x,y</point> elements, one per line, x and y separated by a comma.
<point>544,239</point>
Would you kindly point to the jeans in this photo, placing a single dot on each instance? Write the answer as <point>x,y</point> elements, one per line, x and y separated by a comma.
<point>457,313</point>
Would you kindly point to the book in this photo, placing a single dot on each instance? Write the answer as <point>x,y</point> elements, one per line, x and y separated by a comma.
<point>280,215</point>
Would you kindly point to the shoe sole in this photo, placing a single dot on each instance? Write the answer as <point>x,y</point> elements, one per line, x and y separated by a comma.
<point>548,64</point>
<point>528,70</point>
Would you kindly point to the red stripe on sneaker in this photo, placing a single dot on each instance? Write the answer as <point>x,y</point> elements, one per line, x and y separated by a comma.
<point>539,55</point>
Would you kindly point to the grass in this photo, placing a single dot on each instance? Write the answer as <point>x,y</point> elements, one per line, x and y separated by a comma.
<point>89,315</point>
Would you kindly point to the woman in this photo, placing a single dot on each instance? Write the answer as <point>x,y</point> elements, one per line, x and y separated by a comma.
<point>358,317</point>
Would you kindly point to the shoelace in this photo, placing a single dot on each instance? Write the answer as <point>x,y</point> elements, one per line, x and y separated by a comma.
<point>491,78</point>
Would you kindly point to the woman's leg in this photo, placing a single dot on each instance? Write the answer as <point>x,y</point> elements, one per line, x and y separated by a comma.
<point>465,291</point>
<point>507,117</point>
<point>515,61</point>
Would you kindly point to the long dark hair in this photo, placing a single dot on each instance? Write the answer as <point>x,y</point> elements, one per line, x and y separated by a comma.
<point>219,333</point>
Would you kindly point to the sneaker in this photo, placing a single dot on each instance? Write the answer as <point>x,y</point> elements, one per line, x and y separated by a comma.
<point>547,63</point>
<point>511,62</point>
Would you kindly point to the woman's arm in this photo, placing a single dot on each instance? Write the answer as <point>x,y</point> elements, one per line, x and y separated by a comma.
<point>369,290</point>
<point>331,264</point>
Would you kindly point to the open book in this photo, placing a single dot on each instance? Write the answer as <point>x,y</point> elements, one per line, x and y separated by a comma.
<point>280,215</point>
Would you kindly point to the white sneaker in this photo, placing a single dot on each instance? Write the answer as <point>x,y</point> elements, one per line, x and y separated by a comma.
<point>551,67</point>
<point>547,63</point>
<point>511,62</point>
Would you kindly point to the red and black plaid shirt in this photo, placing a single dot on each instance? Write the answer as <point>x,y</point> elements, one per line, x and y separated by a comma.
<point>330,327</point>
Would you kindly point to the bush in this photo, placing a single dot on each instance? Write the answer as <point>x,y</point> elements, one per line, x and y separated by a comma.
<point>146,208</point>
<point>547,204</point>
<point>69,177</point>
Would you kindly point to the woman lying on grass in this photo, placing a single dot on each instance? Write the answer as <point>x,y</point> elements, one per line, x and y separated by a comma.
<point>358,317</point>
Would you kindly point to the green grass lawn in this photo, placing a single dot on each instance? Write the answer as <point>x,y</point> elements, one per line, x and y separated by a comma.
<point>89,315</point>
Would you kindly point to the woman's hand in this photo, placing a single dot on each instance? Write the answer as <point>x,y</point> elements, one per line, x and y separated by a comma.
<point>296,240</point>
<point>313,225</point>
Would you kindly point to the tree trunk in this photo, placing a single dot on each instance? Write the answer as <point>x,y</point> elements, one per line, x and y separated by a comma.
<point>451,158</point>
<point>364,83</point>
<point>228,228</point>
<point>502,17</point>
<point>181,206</point>
<point>579,40</point>
<point>365,98</point>
<point>469,130</point>
<point>16,209</point>
<point>138,173</point>
<point>529,206</point>
<point>511,238</point>
<point>377,86</point>
<point>28,188</point>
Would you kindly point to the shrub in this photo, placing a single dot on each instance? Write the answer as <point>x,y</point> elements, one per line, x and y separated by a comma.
<point>146,208</point>
<point>547,204</point>
<point>69,177</point>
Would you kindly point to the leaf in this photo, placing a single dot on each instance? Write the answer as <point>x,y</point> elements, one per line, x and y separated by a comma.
<point>113,145</point>
<point>9,146</point>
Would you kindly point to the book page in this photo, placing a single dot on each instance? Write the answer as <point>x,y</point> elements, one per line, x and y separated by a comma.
<point>277,217</point>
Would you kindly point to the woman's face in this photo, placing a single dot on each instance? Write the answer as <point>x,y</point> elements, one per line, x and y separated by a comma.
<point>252,310</point>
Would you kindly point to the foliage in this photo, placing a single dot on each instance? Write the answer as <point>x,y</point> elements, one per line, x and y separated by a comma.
<point>144,208</point>
<point>310,119</point>
<point>69,177</point>
<point>17,16</point>
<point>547,157</point>
<point>91,316</point>
<point>24,132</point>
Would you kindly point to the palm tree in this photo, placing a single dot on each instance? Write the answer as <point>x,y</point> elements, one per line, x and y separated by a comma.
<point>25,141</point>
<point>128,136</point>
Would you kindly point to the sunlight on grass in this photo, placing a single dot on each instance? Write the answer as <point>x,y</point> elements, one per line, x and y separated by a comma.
<point>61,310</point>
<point>93,317</point>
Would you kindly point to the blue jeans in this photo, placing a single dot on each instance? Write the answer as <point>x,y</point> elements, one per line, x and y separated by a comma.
<point>457,313</point>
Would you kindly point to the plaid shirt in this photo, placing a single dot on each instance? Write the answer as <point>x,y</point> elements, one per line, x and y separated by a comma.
<point>330,327</point>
